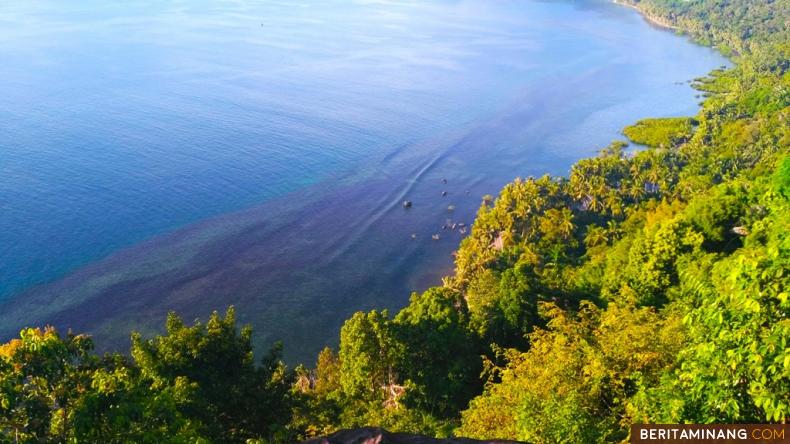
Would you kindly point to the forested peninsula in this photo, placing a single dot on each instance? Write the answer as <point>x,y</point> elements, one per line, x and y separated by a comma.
<point>650,285</point>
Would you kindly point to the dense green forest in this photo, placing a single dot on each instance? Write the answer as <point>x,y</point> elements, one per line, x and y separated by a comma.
<point>647,286</point>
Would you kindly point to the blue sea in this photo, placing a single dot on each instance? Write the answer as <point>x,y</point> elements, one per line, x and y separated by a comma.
<point>188,154</point>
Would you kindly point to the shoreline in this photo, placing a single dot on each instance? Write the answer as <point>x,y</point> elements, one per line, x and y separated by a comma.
<point>133,290</point>
<point>650,18</point>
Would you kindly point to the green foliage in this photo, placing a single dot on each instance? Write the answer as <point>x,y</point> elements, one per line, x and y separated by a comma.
<point>672,240</point>
<point>736,366</point>
<point>782,178</point>
<point>52,389</point>
<point>738,27</point>
<point>502,306</point>
<point>644,287</point>
<point>320,395</point>
<point>574,382</point>
<point>691,229</point>
<point>368,355</point>
<point>212,367</point>
<point>651,266</point>
<point>716,213</point>
<point>41,375</point>
<point>660,133</point>
<point>194,384</point>
<point>120,407</point>
<point>434,329</point>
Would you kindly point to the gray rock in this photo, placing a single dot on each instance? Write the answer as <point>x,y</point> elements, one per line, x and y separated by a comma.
<point>374,435</point>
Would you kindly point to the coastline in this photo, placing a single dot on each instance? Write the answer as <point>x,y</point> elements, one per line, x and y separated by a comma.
<point>192,271</point>
<point>650,18</point>
<point>599,293</point>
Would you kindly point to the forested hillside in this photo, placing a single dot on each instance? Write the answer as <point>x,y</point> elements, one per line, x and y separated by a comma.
<point>647,286</point>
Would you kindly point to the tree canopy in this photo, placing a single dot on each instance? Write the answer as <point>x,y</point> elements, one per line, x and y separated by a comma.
<point>647,286</point>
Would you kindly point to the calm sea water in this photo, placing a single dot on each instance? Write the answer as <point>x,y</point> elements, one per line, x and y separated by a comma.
<point>187,155</point>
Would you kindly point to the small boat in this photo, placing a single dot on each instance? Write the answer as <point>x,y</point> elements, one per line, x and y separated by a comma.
<point>435,237</point>
<point>406,204</point>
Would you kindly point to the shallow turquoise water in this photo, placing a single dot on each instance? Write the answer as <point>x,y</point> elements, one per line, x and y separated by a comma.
<point>181,128</point>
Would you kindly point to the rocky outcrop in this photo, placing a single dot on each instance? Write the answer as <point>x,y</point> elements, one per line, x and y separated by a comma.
<point>372,435</point>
